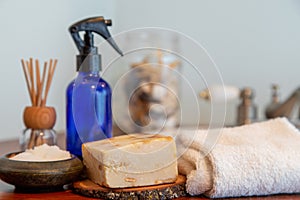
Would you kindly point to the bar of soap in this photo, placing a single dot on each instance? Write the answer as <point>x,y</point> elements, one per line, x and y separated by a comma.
<point>131,160</point>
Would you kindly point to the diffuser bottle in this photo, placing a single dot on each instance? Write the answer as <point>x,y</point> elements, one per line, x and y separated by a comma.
<point>38,118</point>
<point>39,122</point>
<point>89,115</point>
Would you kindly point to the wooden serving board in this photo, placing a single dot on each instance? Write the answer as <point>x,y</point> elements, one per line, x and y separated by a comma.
<point>163,191</point>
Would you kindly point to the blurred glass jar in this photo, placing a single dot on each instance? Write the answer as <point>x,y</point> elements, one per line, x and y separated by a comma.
<point>32,137</point>
<point>151,84</point>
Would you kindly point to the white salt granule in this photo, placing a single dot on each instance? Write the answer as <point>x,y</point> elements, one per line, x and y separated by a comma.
<point>42,153</point>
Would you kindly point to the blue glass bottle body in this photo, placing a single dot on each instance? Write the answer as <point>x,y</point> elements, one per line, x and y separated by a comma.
<point>89,115</point>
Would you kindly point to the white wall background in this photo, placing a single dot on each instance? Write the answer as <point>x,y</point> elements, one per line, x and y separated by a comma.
<point>253,42</point>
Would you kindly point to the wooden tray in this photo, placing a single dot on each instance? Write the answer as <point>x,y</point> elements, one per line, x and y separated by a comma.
<point>163,191</point>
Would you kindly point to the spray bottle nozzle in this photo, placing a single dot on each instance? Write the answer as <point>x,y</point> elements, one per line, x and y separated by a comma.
<point>108,22</point>
<point>86,46</point>
<point>89,39</point>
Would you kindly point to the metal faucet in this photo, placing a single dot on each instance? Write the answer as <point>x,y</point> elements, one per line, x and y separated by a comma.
<point>247,110</point>
<point>284,109</point>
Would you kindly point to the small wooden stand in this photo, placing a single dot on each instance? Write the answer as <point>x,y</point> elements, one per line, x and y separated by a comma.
<point>163,191</point>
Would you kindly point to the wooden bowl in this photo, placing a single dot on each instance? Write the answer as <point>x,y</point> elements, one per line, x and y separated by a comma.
<point>39,117</point>
<point>39,176</point>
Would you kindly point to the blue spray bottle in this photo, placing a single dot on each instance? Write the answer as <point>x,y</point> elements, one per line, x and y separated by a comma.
<point>89,115</point>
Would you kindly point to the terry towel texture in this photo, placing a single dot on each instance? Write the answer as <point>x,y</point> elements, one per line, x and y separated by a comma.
<point>257,159</point>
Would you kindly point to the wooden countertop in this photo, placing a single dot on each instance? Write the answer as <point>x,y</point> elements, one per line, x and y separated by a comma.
<point>7,191</point>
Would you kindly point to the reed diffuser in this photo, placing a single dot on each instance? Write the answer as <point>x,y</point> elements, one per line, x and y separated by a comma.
<point>39,119</point>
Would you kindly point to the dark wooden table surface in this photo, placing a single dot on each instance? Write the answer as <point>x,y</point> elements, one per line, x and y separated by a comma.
<point>7,191</point>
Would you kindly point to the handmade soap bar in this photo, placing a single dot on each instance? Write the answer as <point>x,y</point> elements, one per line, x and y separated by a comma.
<point>131,160</point>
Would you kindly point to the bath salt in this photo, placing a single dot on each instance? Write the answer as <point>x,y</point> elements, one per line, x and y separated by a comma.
<point>42,153</point>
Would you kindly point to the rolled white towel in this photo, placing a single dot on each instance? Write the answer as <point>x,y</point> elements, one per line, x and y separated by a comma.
<point>256,159</point>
